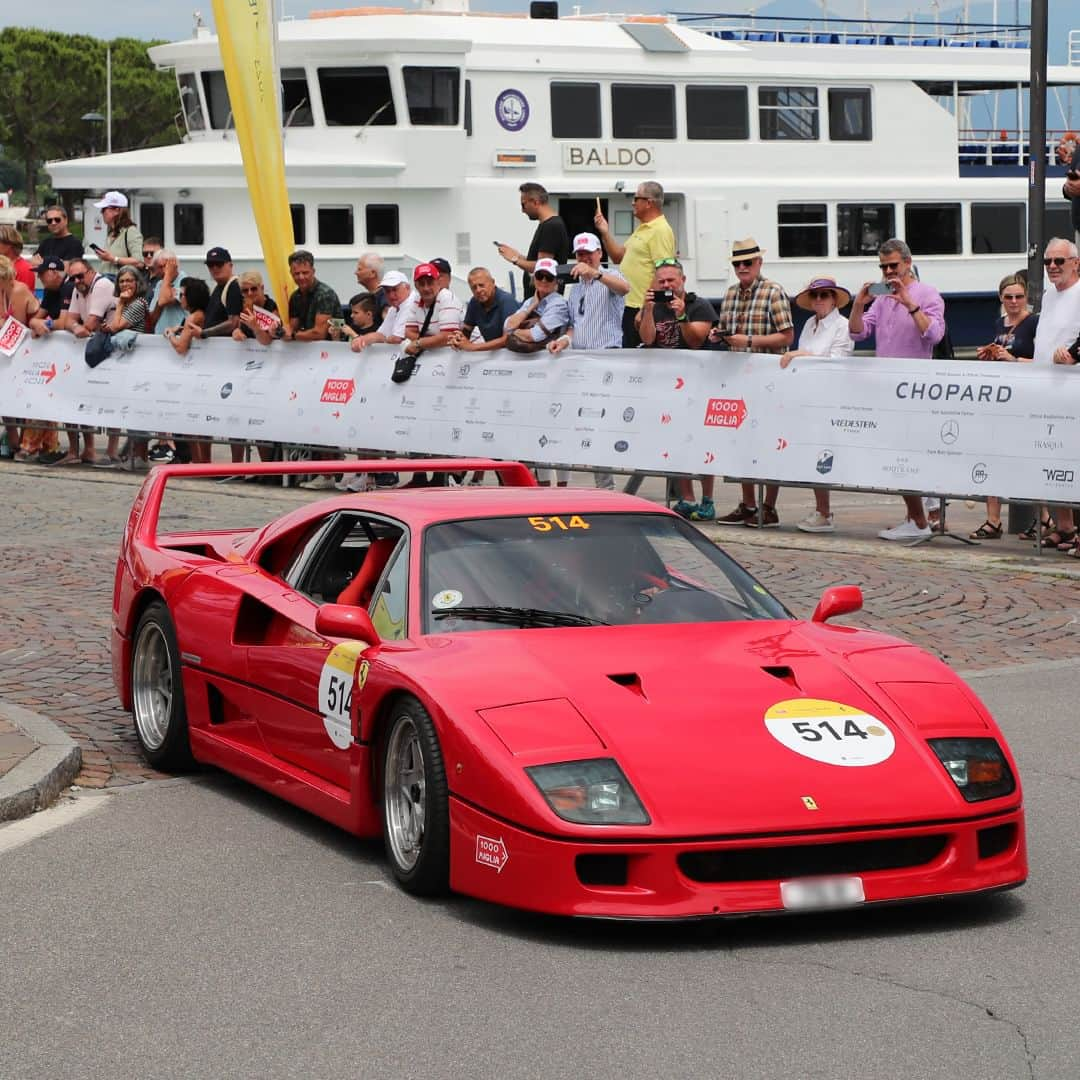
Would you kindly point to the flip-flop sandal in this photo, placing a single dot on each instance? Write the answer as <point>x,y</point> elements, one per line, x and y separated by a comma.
<point>1046,526</point>
<point>987,531</point>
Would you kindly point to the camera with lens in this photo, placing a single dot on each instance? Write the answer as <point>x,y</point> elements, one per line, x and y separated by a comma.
<point>563,275</point>
<point>663,296</point>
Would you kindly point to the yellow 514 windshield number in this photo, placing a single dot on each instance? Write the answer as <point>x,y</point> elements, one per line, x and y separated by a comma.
<point>555,523</point>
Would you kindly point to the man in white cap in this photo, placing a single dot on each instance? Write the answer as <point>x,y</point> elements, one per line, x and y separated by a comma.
<point>396,289</point>
<point>597,300</point>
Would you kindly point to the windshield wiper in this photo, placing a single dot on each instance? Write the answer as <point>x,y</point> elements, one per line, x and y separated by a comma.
<point>518,616</point>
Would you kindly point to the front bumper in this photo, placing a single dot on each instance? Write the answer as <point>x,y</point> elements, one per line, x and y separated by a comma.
<point>678,879</point>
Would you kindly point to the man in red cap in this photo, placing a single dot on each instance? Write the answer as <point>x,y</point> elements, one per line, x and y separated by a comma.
<point>433,318</point>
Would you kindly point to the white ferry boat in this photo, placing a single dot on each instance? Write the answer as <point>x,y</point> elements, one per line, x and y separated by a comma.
<point>408,132</point>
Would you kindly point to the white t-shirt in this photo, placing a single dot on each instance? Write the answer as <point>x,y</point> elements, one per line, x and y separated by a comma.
<point>393,324</point>
<point>830,337</point>
<point>447,316</point>
<point>1059,322</point>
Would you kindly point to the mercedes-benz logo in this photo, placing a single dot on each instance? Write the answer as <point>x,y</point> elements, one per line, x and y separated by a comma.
<point>950,432</point>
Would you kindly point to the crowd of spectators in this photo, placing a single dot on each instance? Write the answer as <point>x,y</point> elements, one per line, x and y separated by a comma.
<point>613,294</point>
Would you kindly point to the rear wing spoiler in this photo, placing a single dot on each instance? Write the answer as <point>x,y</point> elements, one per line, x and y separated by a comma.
<point>143,520</point>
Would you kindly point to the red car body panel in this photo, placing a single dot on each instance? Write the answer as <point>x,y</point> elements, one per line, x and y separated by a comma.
<point>712,777</point>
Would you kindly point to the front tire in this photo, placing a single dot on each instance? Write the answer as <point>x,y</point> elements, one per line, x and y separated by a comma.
<point>415,803</point>
<point>157,692</point>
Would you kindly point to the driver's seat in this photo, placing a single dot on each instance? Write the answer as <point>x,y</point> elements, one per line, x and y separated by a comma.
<point>358,591</point>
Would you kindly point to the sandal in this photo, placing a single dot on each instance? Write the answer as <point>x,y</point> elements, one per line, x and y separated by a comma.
<point>986,531</point>
<point>1057,538</point>
<point>1073,550</point>
<point>1047,524</point>
<point>69,459</point>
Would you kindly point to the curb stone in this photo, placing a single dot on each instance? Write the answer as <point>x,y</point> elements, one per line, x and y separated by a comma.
<point>38,780</point>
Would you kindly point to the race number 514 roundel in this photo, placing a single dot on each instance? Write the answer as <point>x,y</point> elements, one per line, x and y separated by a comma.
<point>829,732</point>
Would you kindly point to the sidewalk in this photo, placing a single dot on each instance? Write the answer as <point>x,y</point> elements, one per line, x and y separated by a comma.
<point>37,761</point>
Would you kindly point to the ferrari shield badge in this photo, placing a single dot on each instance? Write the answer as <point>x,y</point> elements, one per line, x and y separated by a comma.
<point>336,687</point>
<point>829,732</point>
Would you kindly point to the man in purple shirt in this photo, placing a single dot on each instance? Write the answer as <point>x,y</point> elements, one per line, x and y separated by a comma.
<point>906,321</point>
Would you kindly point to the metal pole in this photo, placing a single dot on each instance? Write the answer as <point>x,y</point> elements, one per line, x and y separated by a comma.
<point>108,99</point>
<point>1037,157</point>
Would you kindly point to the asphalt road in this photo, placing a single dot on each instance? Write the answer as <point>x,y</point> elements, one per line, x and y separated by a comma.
<point>199,928</point>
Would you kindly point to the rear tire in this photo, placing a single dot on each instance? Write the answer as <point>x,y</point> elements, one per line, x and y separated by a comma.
<point>157,692</point>
<point>415,803</point>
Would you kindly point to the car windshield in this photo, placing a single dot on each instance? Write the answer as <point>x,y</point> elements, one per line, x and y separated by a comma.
<point>582,570</point>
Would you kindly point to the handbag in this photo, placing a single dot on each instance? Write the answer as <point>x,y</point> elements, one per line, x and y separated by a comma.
<point>515,344</point>
<point>405,363</point>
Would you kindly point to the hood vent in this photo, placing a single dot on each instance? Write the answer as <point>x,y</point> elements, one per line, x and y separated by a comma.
<point>783,673</point>
<point>632,681</point>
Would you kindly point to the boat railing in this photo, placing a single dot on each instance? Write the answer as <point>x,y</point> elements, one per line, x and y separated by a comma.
<point>888,32</point>
<point>983,146</point>
<point>1074,48</point>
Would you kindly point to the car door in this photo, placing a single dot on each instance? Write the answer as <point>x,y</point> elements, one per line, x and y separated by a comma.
<point>301,682</point>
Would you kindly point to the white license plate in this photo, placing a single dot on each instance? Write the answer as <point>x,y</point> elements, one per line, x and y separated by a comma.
<point>815,894</point>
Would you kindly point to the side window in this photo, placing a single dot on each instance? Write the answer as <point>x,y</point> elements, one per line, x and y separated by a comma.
<point>381,224</point>
<point>861,228</point>
<point>642,111</point>
<point>335,225</point>
<point>432,95</point>
<point>788,112</point>
<point>343,563</point>
<point>717,112</point>
<point>849,116</point>
<point>295,100</point>
<point>998,228</point>
<point>217,100</point>
<point>803,230</point>
<point>188,224</point>
<point>575,110</point>
<point>189,102</point>
<point>299,223</point>
<point>932,228</point>
<point>390,605</point>
<point>151,218</point>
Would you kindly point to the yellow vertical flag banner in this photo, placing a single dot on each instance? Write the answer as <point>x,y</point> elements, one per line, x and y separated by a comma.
<point>247,38</point>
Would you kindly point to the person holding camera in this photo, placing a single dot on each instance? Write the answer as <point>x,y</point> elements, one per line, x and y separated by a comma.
<point>1068,154</point>
<point>906,319</point>
<point>672,318</point>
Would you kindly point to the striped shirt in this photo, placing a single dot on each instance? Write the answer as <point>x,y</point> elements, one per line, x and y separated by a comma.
<point>596,314</point>
<point>762,309</point>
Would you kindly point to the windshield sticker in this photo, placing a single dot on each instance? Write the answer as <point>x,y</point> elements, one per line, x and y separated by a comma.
<point>558,524</point>
<point>335,690</point>
<point>448,598</point>
<point>829,732</point>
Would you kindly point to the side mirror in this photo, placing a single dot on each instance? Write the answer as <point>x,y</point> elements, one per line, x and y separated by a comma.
<point>839,600</point>
<point>346,621</point>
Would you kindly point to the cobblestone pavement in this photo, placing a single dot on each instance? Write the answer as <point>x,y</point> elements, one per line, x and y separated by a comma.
<point>975,607</point>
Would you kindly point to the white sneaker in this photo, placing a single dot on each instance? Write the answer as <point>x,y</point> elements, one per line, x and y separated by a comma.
<point>816,523</point>
<point>319,483</point>
<point>357,482</point>
<point>906,530</point>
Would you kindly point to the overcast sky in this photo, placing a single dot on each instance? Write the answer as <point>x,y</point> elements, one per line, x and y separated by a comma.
<point>173,21</point>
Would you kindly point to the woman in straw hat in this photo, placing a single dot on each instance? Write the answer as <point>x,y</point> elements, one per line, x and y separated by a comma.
<point>824,334</point>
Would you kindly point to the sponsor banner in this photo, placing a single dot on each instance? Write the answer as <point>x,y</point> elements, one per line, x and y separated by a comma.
<point>946,427</point>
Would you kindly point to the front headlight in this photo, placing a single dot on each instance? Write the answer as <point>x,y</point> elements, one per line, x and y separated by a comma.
<point>593,792</point>
<point>977,767</point>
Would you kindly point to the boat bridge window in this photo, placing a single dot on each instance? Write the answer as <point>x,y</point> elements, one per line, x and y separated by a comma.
<point>849,116</point>
<point>861,228</point>
<point>998,228</point>
<point>335,225</point>
<point>788,112</point>
<point>217,100</point>
<point>717,112</point>
<point>295,99</point>
<point>642,111</point>
<point>1058,220</point>
<point>188,224</point>
<point>152,219</point>
<point>933,228</point>
<point>189,101</point>
<point>575,110</point>
<point>299,223</point>
<point>803,230</point>
<point>433,94</point>
<point>357,96</point>
<point>381,223</point>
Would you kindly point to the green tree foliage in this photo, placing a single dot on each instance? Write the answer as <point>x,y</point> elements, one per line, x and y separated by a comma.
<point>51,80</point>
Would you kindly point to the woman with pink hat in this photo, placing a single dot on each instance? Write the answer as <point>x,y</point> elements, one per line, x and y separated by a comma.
<point>824,334</point>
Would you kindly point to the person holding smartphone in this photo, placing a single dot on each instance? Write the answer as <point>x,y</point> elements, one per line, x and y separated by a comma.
<point>906,321</point>
<point>124,242</point>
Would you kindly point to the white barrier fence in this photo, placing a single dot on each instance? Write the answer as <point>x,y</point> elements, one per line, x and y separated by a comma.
<point>948,427</point>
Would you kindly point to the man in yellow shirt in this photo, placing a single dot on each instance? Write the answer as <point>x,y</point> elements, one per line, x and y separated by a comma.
<point>649,243</point>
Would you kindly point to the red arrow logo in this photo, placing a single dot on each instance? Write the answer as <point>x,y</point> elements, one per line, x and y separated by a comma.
<point>665,455</point>
<point>680,382</point>
<point>491,853</point>
<point>665,418</point>
<point>781,443</point>
<point>710,457</point>
<point>336,414</point>
<point>292,395</point>
<point>49,372</point>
